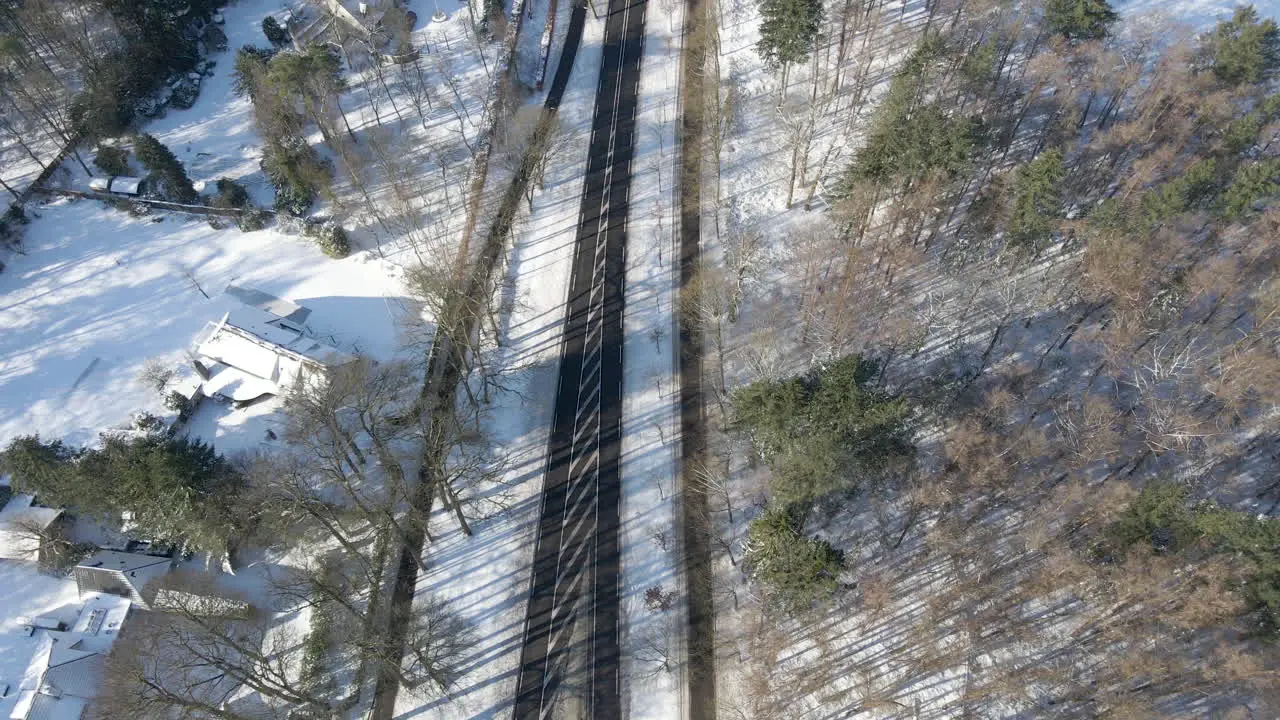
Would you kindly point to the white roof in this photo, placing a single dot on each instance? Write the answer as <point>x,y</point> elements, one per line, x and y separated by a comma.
<point>19,523</point>
<point>98,183</point>
<point>253,341</point>
<point>281,308</point>
<point>236,384</point>
<point>126,185</point>
<point>66,668</point>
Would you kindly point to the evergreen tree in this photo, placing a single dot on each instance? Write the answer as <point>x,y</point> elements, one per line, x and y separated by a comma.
<point>296,172</point>
<point>1037,200</point>
<point>112,160</point>
<point>250,70</point>
<point>821,431</point>
<point>906,143</point>
<point>1196,184</point>
<point>796,570</point>
<point>1251,184</point>
<point>1242,49</point>
<point>276,34</point>
<point>311,79</point>
<point>177,490</point>
<point>162,163</point>
<point>788,31</point>
<point>43,469</point>
<point>1079,19</point>
<point>1242,133</point>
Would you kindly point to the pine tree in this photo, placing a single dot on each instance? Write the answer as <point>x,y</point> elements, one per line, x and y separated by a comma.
<point>1242,49</point>
<point>796,570</point>
<point>788,31</point>
<point>312,79</point>
<point>43,469</point>
<point>276,34</point>
<point>1037,200</point>
<point>1079,19</point>
<point>1251,184</point>
<point>162,163</point>
<point>112,160</point>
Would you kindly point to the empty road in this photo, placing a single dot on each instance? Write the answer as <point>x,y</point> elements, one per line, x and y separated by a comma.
<point>569,659</point>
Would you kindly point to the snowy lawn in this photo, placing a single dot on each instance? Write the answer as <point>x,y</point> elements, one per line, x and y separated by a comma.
<point>99,292</point>
<point>26,592</point>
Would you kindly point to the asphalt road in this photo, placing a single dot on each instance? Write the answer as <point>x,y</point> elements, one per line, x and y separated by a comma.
<point>571,630</point>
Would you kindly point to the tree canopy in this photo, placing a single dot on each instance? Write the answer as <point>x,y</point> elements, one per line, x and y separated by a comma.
<point>788,30</point>
<point>1079,19</point>
<point>1243,49</point>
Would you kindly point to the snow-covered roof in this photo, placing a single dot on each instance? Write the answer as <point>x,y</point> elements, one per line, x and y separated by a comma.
<point>256,342</point>
<point>138,570</point>
<point>126,185</point>
<point>168,599</point>
<point>281,308</point>
<point>122,561</point>
<point>21,525</point>
<point>67,666</point>
<point>236,384</point>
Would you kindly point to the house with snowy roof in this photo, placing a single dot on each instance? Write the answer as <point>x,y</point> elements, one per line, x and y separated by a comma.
<point>261,348</point>
<point>28,532</point>
<point>120,573</point>
<point>68,665</point>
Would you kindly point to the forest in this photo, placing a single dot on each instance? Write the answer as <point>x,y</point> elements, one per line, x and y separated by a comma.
<point>995,385</point>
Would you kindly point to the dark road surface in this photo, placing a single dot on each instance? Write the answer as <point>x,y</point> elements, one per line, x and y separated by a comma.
<point>571,630</point>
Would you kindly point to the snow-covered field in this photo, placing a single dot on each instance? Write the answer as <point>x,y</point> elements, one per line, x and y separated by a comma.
<point>99,292</point>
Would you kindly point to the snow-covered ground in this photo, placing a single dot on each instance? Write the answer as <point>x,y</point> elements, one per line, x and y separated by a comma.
<point>652,638</point>
<point>99,292</point>
<point>1198,14</point>
<point>25,592</point>
<point>818,663</point>
<point>216,137</point>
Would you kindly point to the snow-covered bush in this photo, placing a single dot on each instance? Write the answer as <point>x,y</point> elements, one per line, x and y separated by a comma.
<point>331,238</point>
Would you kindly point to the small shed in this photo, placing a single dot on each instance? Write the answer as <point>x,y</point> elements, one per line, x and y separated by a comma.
<point>199,604</point>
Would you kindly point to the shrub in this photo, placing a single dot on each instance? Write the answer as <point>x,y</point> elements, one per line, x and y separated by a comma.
<point>252,220</point>
<point>658,600</point>
<point>180,404</point>
<point>276,34</point>
<point>796,570</point>
<point>112,160</point>
<point>331,238</point>
<point>231,194</point>
<point>214,39</point>
<point>184,93</point>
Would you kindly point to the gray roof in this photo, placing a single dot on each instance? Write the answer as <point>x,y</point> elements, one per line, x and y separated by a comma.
<point>267,302</point>
<point>122,561</point>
